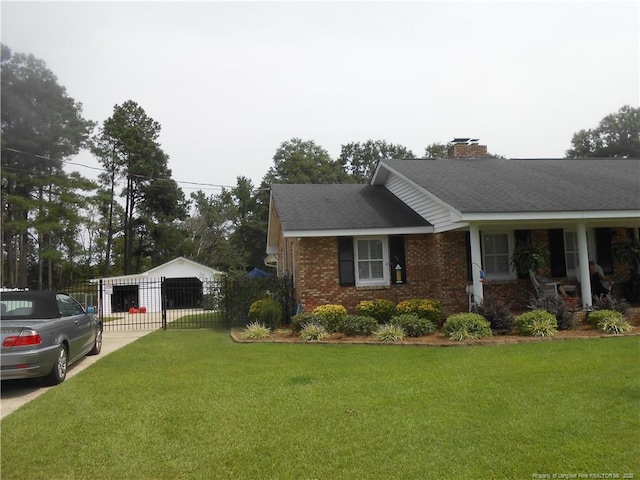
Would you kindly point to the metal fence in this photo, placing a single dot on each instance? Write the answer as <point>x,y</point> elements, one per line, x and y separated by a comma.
<point>141,303</point>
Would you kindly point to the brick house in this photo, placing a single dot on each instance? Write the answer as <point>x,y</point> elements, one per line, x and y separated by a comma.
<point>430,228</point>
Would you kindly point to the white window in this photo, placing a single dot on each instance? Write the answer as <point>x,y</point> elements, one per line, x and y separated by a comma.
<point>496,255</point>
<point>571,253</point>
<point>372,261</point>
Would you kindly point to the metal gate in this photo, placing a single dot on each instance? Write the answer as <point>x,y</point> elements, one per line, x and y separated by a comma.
<point>144,303</point>
<point>141,303</point>
<point>159,303</point>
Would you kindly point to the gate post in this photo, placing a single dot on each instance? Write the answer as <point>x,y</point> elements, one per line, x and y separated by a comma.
<point>101,302</point>
<point>163,301</point>
<point>227,309</point>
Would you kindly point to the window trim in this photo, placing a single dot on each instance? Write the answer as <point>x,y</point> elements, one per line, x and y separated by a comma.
<point>384,281</point>
<point>571,273</point>
<point>512,275</point>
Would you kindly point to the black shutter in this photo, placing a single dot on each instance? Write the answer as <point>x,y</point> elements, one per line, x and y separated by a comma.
<point>346,262</point>
<point>467,247</point>
<point>397,257</point>
<point>522,237</point>
<point>556,248</point>
<point>604,249</point>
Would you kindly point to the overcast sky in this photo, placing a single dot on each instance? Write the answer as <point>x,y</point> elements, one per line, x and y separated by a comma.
<point>230,81</point>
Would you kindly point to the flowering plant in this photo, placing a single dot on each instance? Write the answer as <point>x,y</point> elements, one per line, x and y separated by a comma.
<point>380,309</point>
<point>332,316</point>
<point>423,307</point>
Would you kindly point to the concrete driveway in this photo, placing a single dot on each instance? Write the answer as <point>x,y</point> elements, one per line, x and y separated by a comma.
<point>16,393</point>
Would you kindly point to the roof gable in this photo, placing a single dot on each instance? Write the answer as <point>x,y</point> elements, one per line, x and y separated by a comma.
<point>493,185</point>
<point>182,266</point>
<point>176,268</point>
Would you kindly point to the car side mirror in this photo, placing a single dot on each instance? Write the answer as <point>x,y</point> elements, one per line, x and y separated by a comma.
<point>91,309</point>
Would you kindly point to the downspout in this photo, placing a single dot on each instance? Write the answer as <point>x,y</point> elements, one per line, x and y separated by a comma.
<point>583,265</point>
<point>476,263</point>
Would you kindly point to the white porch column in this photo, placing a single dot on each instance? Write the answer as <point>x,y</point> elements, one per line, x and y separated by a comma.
<point>476,263</point>
<point>583,259</point>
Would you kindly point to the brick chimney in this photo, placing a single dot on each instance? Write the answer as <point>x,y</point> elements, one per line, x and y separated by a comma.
<point>466,148</point>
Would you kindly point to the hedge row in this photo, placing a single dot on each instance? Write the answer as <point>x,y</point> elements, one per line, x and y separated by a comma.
<point>419,317</point>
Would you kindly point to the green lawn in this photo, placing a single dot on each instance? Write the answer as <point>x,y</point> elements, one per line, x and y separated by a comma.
<point>206,319</point>
<point>194,405</point>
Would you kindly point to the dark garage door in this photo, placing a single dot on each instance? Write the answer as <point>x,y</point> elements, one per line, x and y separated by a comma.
<point>183,292</point>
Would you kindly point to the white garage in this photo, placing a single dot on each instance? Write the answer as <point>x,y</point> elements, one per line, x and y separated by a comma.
<point>182,284</point>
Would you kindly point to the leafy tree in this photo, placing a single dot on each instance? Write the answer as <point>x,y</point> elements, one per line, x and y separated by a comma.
<point>617,135</point>
<point>359,160</point>
<point>250,223</point>
<point>228,230</point>
<point>41,127</point>
<point>441,150</point>
<point>437,150</point>
<point>208,229</point>
<point>298,161</point>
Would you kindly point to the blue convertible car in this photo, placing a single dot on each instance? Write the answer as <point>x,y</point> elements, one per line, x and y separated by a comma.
<point>43,332</point>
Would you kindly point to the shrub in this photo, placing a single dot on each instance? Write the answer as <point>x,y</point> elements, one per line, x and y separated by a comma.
<point>597,316</point>
<point>210,302</point>
<point>609,302</point>
<point>313,331</point>
<point>550,302</point>
<point>463,326</point>
<point>298,321</point>
<point>358,325</point>
<point>610,321</point>
<point>256,330</point>
<point>497,313</point>
<point>537,323</point>
<point>332,316</point>
<point>423,307</point>
<point>266,311</point>
<point>413,325</point>
<point>380,309</point>
<point>390,332</point>
<point>614,325</point>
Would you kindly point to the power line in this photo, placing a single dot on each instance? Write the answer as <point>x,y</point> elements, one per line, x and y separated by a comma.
<point>28,153</point>
<point>69,162</point>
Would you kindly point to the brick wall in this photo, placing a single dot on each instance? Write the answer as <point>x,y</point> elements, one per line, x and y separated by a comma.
<point>436,268</point>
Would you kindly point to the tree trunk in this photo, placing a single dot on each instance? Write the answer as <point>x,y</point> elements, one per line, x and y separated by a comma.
<point>107,263</point>
<point>40,266</point>
<point>9,265</point>
<point>127,233</point>
<point>50,272</point>
<point>23,257</point>
<point>40,239</point>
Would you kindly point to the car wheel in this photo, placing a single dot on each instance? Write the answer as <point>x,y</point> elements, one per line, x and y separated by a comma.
<point>97,346</point>
<point>59,371</point>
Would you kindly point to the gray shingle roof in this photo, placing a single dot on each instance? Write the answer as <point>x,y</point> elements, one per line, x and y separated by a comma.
<point>482,185</point>
<point>341,207</point>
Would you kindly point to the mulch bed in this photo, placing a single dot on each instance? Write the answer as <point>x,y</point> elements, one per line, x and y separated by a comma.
<point>438,339</point>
